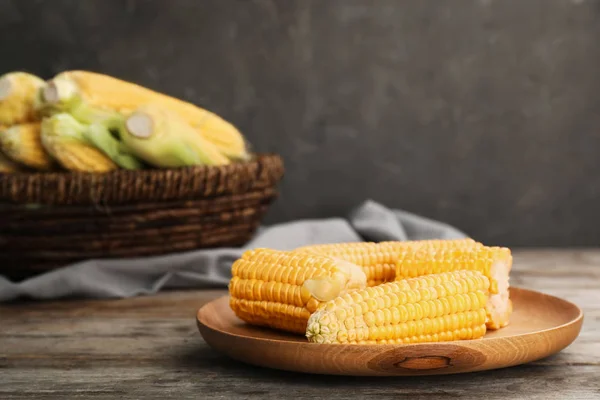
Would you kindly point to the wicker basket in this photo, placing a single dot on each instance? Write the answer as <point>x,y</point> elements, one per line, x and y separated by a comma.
<point>50,219</point>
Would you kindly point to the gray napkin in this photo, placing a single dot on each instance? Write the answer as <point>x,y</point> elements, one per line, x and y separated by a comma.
<point>113,278</point>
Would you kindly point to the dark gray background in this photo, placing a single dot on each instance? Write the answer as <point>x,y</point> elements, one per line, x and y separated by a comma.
<point>481,113</point>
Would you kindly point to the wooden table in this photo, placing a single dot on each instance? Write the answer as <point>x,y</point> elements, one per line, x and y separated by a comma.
<point>149,347</point>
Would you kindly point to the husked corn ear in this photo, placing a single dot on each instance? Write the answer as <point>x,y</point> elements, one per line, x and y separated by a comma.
<point>64,139</point>
<point>22,144</point>
<point>494,262</point>
<point>162,138</point>
<point>8,166</point>
<point>385,261</point>
<point>438,244</point>
<point>378,260</point>
<point>281,289</point>
<point>441,307</point>
<point>81,157</point>
<point>19,93</point>
<point>108,93</point>
<point>422,261</point>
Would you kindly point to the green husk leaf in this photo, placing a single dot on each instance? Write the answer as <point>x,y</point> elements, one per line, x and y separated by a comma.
<point>100,136</point>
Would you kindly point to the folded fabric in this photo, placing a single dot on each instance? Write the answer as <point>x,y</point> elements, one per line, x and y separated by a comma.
<point>209,268</point>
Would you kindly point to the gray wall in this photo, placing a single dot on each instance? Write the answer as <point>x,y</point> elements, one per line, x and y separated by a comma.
<point>482,113</point>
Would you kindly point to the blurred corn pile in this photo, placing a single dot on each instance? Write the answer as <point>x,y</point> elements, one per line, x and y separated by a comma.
<point>89,122</point>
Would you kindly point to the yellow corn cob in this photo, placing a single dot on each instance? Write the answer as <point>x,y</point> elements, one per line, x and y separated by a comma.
<point>7,166</point>
<point>494,262</point>
<point>81,157</point>
<point>22,144</point>
<point>280,289</point>
<point>18,98</point>
<point>437,243</point>
<point>420,261</point>
<point>378,260</point>
<point>383,261</point>
<point>61,136</point>
<point>106,92</point>
<point>441,307</point>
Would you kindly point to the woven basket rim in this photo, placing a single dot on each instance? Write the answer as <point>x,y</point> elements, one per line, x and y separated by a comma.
<point>265,170</point>
<point>142,172</point>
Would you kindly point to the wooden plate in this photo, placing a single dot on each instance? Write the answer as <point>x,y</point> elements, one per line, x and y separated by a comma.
<point>541,325</point>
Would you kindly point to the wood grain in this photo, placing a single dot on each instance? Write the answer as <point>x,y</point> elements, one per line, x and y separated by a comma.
<point>540,326</point>
<point>149,347</point>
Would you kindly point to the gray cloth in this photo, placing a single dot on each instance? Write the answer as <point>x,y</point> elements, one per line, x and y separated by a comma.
<point>114,278</point>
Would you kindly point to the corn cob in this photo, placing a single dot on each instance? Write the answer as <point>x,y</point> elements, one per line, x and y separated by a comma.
<point>383,261</point>
<point>8,166</point>
<point>378,260</point>
<point>64,139</point>
<point>22,144</point>
<point>281,289</point>
<point>163,139</point>
<point>494,262</point>
<point>441,307</point>
<point>83,93</point>
<point>19,93</point>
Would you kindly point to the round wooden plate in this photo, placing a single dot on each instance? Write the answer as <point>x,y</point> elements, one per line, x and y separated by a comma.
<point>541,325</point>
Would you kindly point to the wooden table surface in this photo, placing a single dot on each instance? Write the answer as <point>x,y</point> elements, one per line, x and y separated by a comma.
<point>149,347</point>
